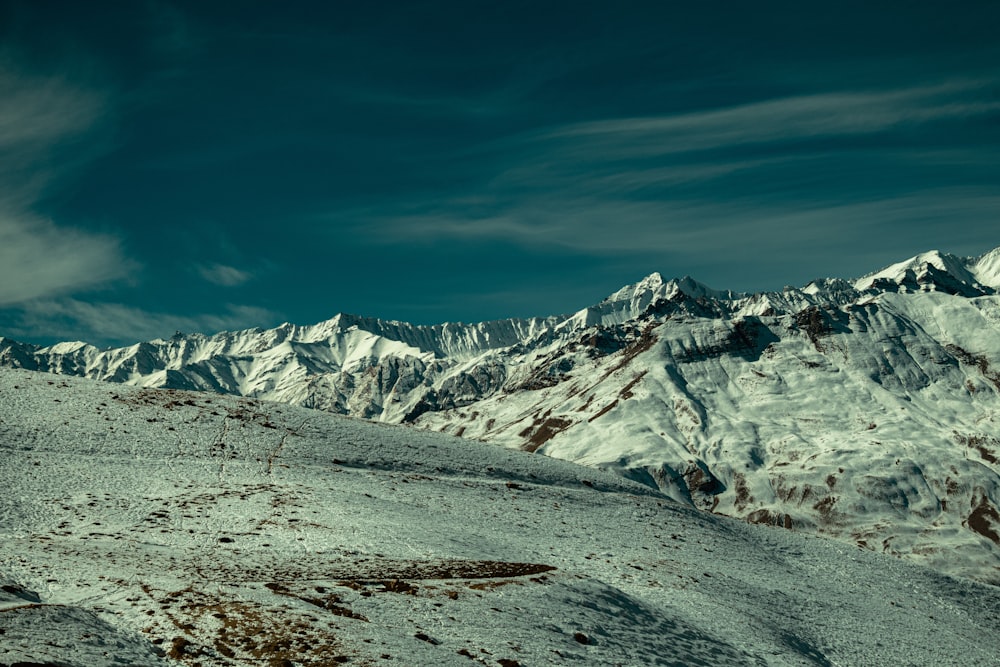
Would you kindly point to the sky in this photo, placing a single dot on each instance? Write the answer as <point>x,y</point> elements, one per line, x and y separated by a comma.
<point>201,166</point>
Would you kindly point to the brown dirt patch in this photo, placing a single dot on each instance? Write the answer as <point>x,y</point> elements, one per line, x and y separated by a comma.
<point>626,392</point>
<point>215,629</point>
<point>544,432</point>
<point>743,497</point>
<point>603,411</point>
<point>767,518</point>
<point>984,444</point>
<point>985,520</point>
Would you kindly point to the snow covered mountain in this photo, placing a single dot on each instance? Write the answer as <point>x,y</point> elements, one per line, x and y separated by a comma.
<point>865,410</point>
<point>146,527</point>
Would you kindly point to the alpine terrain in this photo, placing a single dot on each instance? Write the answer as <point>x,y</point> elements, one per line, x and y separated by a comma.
<point>159,527</point>
<point>865,410</point>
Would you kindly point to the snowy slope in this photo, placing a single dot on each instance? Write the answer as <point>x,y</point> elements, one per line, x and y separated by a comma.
<point>151,527</point>
<point>861,410</point>
<point>875,423</point>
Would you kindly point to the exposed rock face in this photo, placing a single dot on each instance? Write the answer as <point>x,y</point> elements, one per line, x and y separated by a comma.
<point>867,411</point>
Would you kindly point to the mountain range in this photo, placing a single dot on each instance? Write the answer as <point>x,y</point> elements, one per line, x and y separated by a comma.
<point>864,410</point>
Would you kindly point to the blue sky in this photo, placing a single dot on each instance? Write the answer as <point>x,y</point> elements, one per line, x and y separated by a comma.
<point>200,166</point>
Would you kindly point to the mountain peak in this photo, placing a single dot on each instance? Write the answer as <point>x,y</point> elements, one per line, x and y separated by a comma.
<point>652,281</point>
<point>655,285</point>
<point>68,347</point>
<point>987,269</point>
<point>936,271</point>
<point>699,290</point>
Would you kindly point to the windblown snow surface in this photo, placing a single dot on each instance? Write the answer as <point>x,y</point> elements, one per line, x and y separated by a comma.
<point>156,527</point>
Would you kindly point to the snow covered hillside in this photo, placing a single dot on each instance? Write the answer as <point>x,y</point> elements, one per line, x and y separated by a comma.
<point>862,410</point>
<point>156,527</point>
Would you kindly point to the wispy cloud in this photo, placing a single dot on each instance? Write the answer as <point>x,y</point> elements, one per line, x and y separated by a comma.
<point>39,258</point>
<point>642,186</point>
<point>118,324</point>
<point>40,111</point>
<point>626,157</point>
<point>722,231</point>
<point>792,118</point>
<point>38,115</point>
<point>226,276</point>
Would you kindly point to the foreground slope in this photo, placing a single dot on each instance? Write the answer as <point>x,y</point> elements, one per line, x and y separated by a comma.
<point>163,527</point>
<point>862,410</point>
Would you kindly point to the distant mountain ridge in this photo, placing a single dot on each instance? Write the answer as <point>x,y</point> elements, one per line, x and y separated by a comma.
<point>866,410</point>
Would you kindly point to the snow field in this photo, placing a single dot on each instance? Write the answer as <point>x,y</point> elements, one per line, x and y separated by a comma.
<point>163,527</point>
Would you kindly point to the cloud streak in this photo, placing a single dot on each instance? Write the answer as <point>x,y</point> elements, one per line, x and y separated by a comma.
<point>711,184</point>
<point>722,231</point>
<point>644,156</point>
<point>39,116</point>
<point>793,118</point>
<point>39,111</point>
<point>37,257</point>
<point>224,276</point>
